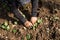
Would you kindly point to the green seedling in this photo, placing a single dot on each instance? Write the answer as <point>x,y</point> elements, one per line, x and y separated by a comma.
<point>5,23</point>
<point>14,30</point>
<point>28,36</point>
<point>56,18</point>
<point>39,21</point>
<point>34,26</point>
<point>3,26</point>
<point>8,28</point>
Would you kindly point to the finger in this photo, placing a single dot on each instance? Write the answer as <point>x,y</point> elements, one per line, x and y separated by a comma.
<point>30,24</point>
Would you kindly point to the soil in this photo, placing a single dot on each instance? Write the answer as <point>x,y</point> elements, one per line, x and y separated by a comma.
<point>48,10</point>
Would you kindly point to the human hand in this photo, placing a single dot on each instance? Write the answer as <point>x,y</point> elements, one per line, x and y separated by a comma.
<point>33,20</point>
<point>28,24</point>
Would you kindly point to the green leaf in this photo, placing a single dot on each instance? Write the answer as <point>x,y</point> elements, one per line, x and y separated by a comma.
<point>34,27</point>
<point>56,17</point>
<point>3,26</point>
<point>8,27</point>
<point>5,23</point>
<point>39,20</point>
<point>36,24</point>
<point>14,31</point>
<point>28,36</point>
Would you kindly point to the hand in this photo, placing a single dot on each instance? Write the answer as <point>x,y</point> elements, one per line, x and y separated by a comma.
<point>28,24</point>
<point>33,19</point>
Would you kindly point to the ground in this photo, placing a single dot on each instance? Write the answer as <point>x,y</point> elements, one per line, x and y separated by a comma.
<point>49,29</point>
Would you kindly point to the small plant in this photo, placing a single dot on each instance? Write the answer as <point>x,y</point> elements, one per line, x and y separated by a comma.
<point>8,28</point>
<point>14,30</point>
<point>6,23</point>
<point>28,36</point>
<point>39,21</point>
<point>56,18</point>
<point>5,26</point>
<point>34,26</point>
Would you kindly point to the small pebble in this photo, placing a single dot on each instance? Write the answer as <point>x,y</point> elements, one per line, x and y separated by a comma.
<point>6,37</point>
<point>59,30</point>
<point>0,34</point>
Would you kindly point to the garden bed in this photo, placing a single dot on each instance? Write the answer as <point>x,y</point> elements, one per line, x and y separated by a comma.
<point>47,27</point>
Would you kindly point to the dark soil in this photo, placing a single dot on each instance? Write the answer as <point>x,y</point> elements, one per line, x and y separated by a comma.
<point>49,29</point>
